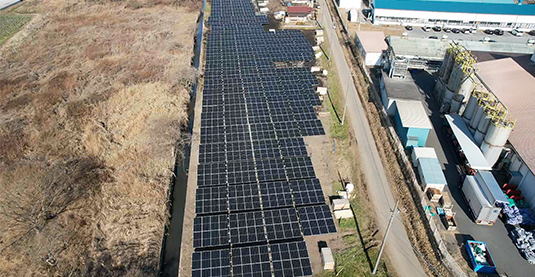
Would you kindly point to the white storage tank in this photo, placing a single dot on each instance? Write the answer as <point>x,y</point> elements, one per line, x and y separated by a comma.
<point>495,139</point>
<point>448,67</point>
<point>482,129</point>
<point>466,86</point>
<point>474,122</point>
<point>456,103</point>
<point>444,65</point>
<point>448,95</point>
<point>470,109</point>
<point>456,76</point>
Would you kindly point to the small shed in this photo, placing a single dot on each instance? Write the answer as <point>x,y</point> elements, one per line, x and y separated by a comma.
<point>431,174</point>
<point>372,46</point>
<point>393,89</point>
<point>422,152</point>
<point>412,123</point>
<point>299,13</point>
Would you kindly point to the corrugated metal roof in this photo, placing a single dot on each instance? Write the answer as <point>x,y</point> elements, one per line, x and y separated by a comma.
<point>466,141</point>
<point>372,41</point>
<point>458,6</point>
<point>413,115</point>
<point>432,171</point>
<point>515,87</point>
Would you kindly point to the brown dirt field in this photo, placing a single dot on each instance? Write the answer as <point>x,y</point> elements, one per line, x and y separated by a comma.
<point>93,95</point>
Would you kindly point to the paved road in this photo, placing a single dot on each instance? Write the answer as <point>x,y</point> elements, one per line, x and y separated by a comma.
<point>505,254</point>
<point>400,253</point>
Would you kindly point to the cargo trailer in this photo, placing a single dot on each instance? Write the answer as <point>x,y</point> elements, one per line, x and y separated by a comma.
<point>482,211</point>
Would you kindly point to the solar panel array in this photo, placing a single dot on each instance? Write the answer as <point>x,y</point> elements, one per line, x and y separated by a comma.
<point>257,192</point>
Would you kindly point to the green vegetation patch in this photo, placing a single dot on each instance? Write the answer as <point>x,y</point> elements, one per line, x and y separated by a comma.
<point>10,24</point>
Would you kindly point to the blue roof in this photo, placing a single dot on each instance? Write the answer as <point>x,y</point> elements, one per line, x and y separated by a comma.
<point>459,6</point>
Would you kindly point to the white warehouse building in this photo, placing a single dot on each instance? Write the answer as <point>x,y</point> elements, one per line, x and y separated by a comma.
<point>479,14</point>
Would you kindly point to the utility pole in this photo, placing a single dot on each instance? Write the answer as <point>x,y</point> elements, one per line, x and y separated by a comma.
<point>392,215</point>
<point>349,81</point>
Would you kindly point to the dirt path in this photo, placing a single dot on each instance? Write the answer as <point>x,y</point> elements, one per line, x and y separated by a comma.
<point>398,248</point>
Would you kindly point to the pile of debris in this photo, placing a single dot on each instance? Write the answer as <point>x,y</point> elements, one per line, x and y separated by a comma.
<point>525,243</point>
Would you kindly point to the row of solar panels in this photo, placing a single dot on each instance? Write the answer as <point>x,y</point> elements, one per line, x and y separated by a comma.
<point>279,259</point>
<point>257,190</point>
<point>274,225</point>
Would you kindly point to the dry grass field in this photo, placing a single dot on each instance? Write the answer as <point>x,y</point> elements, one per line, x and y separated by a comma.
<point>92,98</point>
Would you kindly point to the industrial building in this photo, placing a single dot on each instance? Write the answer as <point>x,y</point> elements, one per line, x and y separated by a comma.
<point>412,123</point>
<point>393,89</point>
<point>484,14</point>
<point>372,45</point>
<point>406,53</point>
<point>495,99</point>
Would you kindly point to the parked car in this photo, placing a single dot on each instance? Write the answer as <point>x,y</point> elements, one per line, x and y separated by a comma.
<point>532,32</point>
<point>473,30</point>
<point>426,28</point>
<point>455,30</point>
<point>446,29</point>
<point>408,28</point>
<point>498,32</point>
<point>465,31</point>
<point>433,37</point>
<point>437,28</point>
<point>489,32</point>
<point>517,33</point>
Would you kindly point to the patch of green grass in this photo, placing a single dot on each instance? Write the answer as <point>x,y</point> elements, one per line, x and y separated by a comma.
<point>347,224</point>
<point>10,24</point>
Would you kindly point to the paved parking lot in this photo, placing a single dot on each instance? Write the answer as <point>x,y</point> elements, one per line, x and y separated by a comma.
<point>508,259</point>
<point>479,35</point>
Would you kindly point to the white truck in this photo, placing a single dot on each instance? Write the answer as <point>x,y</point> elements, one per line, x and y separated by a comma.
<point>481,193</point>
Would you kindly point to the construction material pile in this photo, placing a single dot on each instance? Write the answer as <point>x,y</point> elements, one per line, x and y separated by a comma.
<point>525,242</point>
<point>479,251</point>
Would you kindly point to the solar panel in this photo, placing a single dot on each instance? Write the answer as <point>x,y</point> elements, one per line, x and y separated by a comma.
<point>299,167</point>
<point>307,192</point>
<point>211,263</point>
<point>210,231</point>
<point>246,227</point>
<point>316,220</point>
<point>290,259</point>
<point>244,197</point>
<point>251,261</point>
<point>276,195</point>
<point>211,200</point>
<point>212,174</point>
<point>282,224</point>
